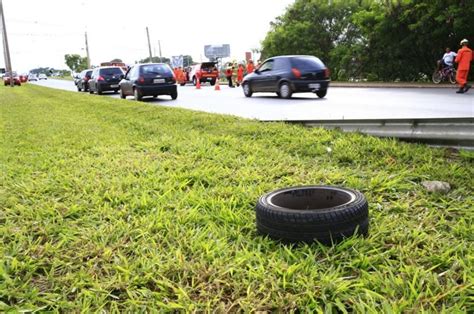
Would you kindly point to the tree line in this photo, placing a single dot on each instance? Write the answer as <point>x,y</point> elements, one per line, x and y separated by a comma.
<point>384,40</point>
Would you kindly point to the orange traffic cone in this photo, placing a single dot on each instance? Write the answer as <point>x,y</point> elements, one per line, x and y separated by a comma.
<point>217,86</point>
<point>198,83</point>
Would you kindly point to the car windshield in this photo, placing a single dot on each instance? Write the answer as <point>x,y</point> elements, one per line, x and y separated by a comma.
<point>307,63</point>
<point>156,69</point>
<point>111,71</point>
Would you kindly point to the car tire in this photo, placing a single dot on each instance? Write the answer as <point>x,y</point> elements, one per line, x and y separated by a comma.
<point>285,90</point>
<point>174,95</point>
<point>137,95</point>
<point>79,89</point>
<point>194,81</point>
<point>99,91</point>
<point>91,91</point>
<point>213,82</point>
<point>247,90</point>
<point>122,95</point>
<point>321,93</point>
<point>312,213</point>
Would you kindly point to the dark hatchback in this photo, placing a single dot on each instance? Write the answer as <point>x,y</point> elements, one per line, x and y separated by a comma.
<point>151,79</point>
<point>105,79</point>
<point>286,75</point>
<point>82,80</point>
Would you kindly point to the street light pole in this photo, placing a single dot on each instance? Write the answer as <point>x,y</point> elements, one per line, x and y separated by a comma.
<point>8,62</point>
<point>87,52</point>
<point>149,45</point>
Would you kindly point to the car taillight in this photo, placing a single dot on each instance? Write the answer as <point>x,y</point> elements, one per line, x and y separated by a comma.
<point>327,73</point>
<point>141,79</point>
<point>100,78</point>
<point>296,72</point>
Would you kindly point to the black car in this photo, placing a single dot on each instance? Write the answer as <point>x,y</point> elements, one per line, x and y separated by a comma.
<point>151,79</point>
<point>105,79</point>
<point>286,75</point>
<point>82,80</point>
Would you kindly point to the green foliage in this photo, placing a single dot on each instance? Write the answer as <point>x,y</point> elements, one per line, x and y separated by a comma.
<point>75,62</point>
<point>155,60</point>
<point>388,40</point>
<point>115,206</point>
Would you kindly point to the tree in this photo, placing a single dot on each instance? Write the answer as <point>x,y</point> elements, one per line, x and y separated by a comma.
<point>75,62</point>
<point>155,60</point>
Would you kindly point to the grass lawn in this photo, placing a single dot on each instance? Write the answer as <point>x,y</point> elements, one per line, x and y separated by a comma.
<point>113,205</point>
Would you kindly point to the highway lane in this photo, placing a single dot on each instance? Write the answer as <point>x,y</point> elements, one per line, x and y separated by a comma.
<point>340,103</point>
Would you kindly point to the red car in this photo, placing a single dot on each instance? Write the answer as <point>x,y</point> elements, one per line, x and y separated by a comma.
<point>16,79</point>
<point>23,78</point>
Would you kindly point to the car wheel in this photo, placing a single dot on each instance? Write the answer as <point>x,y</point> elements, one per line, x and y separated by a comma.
<point>194,81</point>
<point>322,93</point>
<point>174,95</point>
<point>90,90</point>
<point>79,88</point>
<point>99,91</point>
<point>213,82</point>
<point>285,90</point>
<point>247,90</point>
<point>136,93</point>
<point>312,213</point>
<point>122,95</point>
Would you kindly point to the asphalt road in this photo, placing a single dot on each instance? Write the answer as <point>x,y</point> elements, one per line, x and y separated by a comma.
<point>340,103</point>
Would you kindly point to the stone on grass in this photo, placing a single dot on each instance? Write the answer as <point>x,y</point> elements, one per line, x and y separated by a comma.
<point>436,186</point>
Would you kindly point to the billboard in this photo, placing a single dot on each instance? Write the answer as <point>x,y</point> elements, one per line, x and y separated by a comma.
<point>176,61</point>
<point>217,51</point>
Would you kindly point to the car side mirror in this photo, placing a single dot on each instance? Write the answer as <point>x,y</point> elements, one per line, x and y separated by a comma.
<point>257,71</point>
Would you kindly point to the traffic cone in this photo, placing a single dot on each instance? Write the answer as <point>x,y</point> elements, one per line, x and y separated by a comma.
<point>217,85</point>
<point>198,84</point>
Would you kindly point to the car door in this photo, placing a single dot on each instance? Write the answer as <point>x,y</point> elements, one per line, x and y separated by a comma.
<point>93,80</point>
<point>126,84</point>
<point>278,71</point>
<point>261,82</point>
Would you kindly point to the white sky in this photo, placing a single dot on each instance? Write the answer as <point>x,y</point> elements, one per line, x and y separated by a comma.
<point>41,32</point>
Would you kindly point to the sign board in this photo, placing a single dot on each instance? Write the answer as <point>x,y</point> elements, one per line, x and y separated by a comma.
<point>176,61</point>
<point>217,51</point>
<point>248,56</point>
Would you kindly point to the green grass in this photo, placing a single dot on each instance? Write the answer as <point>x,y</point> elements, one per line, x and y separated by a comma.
<point>119,206</point>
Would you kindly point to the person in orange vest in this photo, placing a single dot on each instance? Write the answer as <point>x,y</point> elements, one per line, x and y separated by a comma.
<point>463,59</point>
<point>180,76</point>
<point>240,74</point>
<point>228,75</point>
<point>250,67</point>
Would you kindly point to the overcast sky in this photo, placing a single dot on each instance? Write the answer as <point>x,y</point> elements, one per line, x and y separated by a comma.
<point>41,32</point>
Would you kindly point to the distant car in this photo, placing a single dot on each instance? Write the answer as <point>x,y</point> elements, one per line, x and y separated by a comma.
<point>16,79</point>
<point>32,77</point>
<point>151,79</point>
<point>206,71</point>
<point>42,77</point>
<point>82,80</point>
<point>23,78</point>
<point>105,79</point>
<point>286,75</point>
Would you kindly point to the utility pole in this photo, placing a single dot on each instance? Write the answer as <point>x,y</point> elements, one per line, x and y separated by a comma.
<point>159,48</point>
<point>8,62</point>
<point>149,45</point>
<point>87,52</point>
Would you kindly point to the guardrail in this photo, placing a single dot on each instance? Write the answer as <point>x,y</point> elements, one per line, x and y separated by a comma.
<point>453,132</point>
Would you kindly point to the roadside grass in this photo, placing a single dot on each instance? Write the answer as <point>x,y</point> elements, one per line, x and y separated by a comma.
<point>118,206</point>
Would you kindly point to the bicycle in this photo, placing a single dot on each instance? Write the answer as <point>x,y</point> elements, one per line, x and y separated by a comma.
<point>447,73</point>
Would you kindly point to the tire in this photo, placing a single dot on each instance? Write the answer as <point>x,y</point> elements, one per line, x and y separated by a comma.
<point>213,82</point>
<point>174,96</point>
<point>247,90</point>
<point>312,213</point>
<point>436,77</point>
<point>99,91</point>
<point>285,90</point>
<point>322,93</point>
<point>91,91</point>
<point>79,89</point>
<point>194,81</point>
<point>182,84</point>
<point>137,95</point>
<point>452,77</point>
<point>122,95</point>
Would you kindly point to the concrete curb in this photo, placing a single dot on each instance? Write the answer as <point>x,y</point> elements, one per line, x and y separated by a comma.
<point>391,85</point>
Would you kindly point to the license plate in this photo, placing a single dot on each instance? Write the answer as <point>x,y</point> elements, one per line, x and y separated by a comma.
<point>315,86</point>
<point>114,86</point>
<point>157,81</point>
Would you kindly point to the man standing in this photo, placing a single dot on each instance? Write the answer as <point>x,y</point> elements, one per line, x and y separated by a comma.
<point>463,59</point>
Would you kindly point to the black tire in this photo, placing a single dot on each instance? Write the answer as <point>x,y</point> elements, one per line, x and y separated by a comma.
<point>174,95</point>
<point>436,77</point>
<point>312,213</point>
<point>285,90</point>
<point>247,90</point>
<point>79,89</point>
<point>321,93</point>
<point>90,90</point>
<point>99,91</point>
<point>213,82</point>
<point>194,81</point>
<point>137,95</point>
<point>122,95</point>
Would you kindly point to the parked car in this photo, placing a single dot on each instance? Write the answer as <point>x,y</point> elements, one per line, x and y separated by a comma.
<point>105,79</point>
<point>151,79</point>
<point>23,78</point>
<point>286,75</point>
<point>42,77</point>
<point>32,77</point>
<point>16,79</point>
<point>82,80</point>
<point>206,71</point>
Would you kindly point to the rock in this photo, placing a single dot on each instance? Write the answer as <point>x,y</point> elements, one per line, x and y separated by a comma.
<point>436,186</point>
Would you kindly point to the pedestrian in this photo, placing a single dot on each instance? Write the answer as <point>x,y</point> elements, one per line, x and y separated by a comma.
<point>240,74</point>
<point>463,59</point>
<point>448,59</point>
<point>250,67</point>
<point>228,75</point>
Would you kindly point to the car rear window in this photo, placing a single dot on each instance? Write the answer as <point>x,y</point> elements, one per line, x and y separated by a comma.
<point>111,71</point>
<point>309,63</point>
<point>208,65</point>
<point>89,73</point>
<point>156,69</point>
